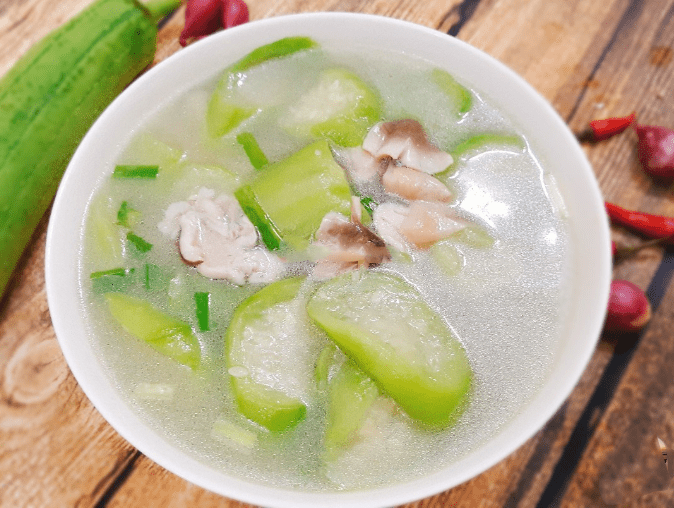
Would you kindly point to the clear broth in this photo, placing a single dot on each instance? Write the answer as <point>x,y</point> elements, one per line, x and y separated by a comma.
<point>505,305</point>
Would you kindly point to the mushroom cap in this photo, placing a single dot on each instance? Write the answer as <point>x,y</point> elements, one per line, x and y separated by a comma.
<point>406,141</point>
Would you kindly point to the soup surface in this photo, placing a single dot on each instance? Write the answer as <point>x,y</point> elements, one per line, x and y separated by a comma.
<point>495,280</point>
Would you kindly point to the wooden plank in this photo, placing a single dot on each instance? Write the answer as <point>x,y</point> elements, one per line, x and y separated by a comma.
<point>623,463</point>
<point>56,448</point>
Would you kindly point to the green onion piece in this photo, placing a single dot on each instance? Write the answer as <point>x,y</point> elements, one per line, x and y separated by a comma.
<point>271,237</point>
<point>139,243</point>
<point>277,49</point>
<point>120,272</point>
<point>368,203</point>
<point>109,281</point>
<point>154,278</point>
<point>257,157</point>
<point>203,301</point>
<point>135,171</point>
<point>127,216</point>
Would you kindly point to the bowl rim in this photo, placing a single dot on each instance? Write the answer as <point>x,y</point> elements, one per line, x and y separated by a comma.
<point>138,434</point>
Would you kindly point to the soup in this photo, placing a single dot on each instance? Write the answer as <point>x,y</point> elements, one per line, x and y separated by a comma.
<point>219,252</point>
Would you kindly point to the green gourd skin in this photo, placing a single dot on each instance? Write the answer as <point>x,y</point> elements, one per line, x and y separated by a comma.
<point>50,98</point>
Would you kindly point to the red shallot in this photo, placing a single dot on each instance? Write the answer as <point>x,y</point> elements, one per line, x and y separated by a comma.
<point>656,150</point>
<point>235,12</point>
<point>204,17</point>
<point>628,308</point>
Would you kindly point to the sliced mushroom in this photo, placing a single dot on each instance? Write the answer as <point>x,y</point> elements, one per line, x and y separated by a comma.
<point>420,225</point>
<point>215,235</point>
<point>362,166</point>
<point>406,142</point>
<point>411,184</point>
<point>348,245</point>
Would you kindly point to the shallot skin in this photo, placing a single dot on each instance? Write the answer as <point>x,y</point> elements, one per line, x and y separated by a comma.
<point>234,12</point>
<point>204,17</point>
<point>656,150</point>
<point>628,308</point>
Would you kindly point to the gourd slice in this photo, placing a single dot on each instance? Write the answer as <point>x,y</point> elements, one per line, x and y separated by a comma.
<point>351,393</point>
<point>459,96</point>
<point>341,107</point>
<point>384,325</point>
<point>269,356</point>
<point>170,336</point>
<point>226,110</point>
<point>288,200</point>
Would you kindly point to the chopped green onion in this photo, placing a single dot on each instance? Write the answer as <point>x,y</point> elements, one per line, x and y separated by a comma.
<point>139,243</point>
<point>257,157</point>
<point>368,203</point>
<point>108,281</point>
<point>268,232</point>
<point>121,272</point>
<point>127,216</point>
<point>135,171</point>
<point>203,301</point>
<point>155,279</point>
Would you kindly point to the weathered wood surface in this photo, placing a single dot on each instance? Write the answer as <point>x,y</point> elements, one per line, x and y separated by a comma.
<point>591,60</point>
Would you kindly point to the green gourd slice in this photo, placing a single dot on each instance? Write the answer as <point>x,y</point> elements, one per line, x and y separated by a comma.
<point>384,325</point>
<point>225,110</point>
<point>170,336</point>
<point>460,97</point>
<point>350,394</point>
<point>288,200</point>
<point>266,335</point>
<point>341,107</point>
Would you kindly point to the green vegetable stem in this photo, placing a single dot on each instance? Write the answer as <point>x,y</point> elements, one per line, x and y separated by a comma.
<point>50,98</point>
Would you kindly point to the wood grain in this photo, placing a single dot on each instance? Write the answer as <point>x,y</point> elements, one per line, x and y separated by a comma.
<point>591,60</point>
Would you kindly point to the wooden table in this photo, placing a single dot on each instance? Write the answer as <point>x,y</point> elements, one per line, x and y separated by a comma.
<point>590,59</point>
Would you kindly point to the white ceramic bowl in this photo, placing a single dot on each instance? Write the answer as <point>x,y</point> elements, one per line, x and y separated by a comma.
<point>545,130</point>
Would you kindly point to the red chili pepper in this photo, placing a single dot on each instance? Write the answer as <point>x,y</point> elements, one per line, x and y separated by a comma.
<point>605,128</point>
<point>204,17</point>
<point>653,226</point>
<point>656,150</point>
